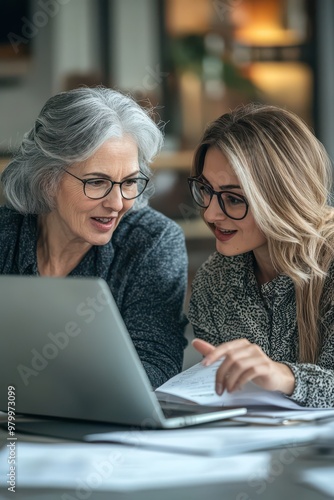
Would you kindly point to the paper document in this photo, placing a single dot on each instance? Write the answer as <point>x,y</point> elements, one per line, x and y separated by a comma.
<point>197,385</point>
<point>216,441</point>
<point>319,479</point>
<point>286,417</point>
<point>86,466</point>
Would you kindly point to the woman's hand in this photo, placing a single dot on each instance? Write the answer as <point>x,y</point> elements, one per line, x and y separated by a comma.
<point>244,362</point>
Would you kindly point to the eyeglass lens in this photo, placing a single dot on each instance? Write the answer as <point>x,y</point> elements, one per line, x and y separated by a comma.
<point>234,205</point>
<point>130,189</point>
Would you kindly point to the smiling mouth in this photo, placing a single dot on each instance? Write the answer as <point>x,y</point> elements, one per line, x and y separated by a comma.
<point>225,231</point>
<point>103,220</point>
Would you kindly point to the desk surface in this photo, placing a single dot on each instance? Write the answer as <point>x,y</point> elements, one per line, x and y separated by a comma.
<point>278,485</point>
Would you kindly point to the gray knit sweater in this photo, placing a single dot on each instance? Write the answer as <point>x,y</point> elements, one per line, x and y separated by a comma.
<point>145,266</point>
<point>227,304</point>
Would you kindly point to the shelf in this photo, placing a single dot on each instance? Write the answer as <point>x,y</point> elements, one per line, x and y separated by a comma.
<point>14,68</point>
<point>3,163</point>
<point>174,160</point>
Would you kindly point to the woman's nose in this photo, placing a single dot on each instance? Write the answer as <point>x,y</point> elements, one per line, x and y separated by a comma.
<point>114,199</point>
<point>214,211</point>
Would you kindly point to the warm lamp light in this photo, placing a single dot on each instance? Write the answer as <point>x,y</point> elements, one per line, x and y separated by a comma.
<point>184,17</point>
<point>261,23</point>
<point>264,36</point>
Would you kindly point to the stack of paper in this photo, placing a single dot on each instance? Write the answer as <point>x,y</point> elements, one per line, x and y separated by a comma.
<point>224,441</point>
<point>286,417</point>
<point>87,467</point>
<point>197,386</point>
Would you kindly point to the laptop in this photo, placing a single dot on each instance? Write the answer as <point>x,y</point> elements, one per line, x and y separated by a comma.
<point>66,352</point>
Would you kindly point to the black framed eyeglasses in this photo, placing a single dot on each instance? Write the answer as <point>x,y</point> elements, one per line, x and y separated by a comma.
<point>233,205</point>
<point>98,188</point>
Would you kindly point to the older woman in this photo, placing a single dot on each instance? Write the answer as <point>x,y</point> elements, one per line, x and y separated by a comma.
<point>76,194</point>
<point>264,301</point>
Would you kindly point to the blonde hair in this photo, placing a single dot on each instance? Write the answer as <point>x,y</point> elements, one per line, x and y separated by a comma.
<point>285,173</point>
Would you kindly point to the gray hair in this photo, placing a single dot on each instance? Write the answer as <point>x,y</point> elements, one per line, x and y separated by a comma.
<point>70,128</point>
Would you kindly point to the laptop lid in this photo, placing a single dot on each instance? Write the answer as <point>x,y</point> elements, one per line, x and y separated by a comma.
<point>66,350</point>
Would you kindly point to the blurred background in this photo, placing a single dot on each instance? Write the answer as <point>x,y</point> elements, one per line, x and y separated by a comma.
<point>191,59</point>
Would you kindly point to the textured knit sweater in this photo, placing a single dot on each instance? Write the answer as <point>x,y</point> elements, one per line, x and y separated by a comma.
<point>145,266</point>
<point>228,304</point>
